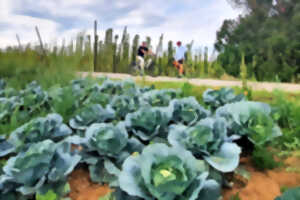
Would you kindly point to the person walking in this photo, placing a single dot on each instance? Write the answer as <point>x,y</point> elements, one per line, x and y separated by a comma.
<point>142,51</point>
<point>179,58</point>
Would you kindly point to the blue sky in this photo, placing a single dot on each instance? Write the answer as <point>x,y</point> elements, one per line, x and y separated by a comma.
<point>183,20</point>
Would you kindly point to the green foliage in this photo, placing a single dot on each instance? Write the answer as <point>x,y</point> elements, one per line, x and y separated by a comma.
<point>235,197</point>
<point>186,89</point>
<point>268,35</point>
<point>263,159</point>
<point>50,195</point>
<point>107,197</point>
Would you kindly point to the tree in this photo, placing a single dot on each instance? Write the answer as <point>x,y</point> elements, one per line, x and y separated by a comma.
<point>268,33</point>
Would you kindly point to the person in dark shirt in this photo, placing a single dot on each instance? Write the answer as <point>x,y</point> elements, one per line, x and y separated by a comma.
<point>142,51</point>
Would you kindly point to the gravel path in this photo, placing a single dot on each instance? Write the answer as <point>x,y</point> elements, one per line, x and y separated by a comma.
<point>268,86</point>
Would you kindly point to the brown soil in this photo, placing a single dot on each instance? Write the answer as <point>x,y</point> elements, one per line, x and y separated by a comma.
<point>264,185</point>
<point>82,187</point>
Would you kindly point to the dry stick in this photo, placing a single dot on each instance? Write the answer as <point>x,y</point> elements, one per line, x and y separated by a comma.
<point>95,45</point>
<point>41,43</point>
<point>19,42</point>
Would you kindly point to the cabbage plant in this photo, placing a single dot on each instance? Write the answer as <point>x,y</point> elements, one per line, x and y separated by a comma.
<point>187,111</point>
<point>90,114</point>
<point>95,96</point>
<point>218,98</point>
<point>39,129</point>
<point>42,166</point>
<point>8,106</point>
<point>208,140</point>
<point>125,104</point>
<point>105,147</point>
<point>251,119</point>
<point>160,97</point>
<point>33,97</point>
<point>148,122</point>
<point>165,173</point>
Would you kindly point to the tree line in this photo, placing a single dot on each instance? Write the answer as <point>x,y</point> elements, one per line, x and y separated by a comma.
<point>268,34</point>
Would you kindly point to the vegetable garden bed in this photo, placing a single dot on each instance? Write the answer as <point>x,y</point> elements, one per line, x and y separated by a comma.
<point>141,142</point>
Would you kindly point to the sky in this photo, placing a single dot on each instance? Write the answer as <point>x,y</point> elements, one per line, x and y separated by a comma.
<point>183,20</point>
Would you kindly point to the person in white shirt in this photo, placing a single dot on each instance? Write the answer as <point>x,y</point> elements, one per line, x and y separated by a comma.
<point>179,57</point>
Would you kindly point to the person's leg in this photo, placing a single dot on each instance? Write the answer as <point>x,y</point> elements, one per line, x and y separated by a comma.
<point>141,63</point>
<point>148,63</point>
<point>181,67</point>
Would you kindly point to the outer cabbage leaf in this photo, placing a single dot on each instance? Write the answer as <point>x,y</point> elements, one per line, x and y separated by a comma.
<point>162,172</point>
<point>211,191</point>
<point>39,129</point>
<point>148,122</point>
<point>251,119</point>
<point>187,111</point>
<point>92,114</point>
<point>226,159</point>
<point>5,147</point>
<point>217,98</point>
<point>290,194</point>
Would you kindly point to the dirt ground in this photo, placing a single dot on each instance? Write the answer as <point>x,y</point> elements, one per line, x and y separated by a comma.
<point>264,185</point>
<point>82,187</point>
<point>287,87</point>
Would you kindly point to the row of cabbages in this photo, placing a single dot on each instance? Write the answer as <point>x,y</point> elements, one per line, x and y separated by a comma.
<point>145,143</point>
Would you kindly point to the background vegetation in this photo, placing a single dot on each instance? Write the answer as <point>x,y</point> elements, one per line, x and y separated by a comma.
<point>269,36</point>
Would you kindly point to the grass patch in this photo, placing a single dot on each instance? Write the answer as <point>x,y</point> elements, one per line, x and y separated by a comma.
<point>263,159</point>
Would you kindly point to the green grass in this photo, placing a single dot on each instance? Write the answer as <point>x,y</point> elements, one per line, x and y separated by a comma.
<point>19,68</point>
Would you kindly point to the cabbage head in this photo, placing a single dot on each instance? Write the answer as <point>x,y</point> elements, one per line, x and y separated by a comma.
<point>39,129</point>
<point>251,119</point>
<point>208,140</point>
<point>148,122</point>
<point>105,147</point>
<point>160,97</point>
<point>218,98</point>
<point>91,114</point>
<point>187,111</point>
<point>42,166</point>
<point>165,173</point>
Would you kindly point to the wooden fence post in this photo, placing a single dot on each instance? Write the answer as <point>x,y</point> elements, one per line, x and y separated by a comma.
<point>95,45</point>
<point>19,42</point>
<point>41,42</point>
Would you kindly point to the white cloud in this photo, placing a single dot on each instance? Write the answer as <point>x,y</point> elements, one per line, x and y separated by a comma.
<point>187,20</point>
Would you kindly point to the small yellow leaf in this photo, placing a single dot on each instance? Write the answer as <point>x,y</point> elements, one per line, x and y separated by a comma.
<point>134,154</point>
<point>165,173</point>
